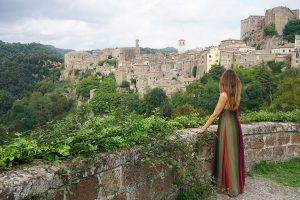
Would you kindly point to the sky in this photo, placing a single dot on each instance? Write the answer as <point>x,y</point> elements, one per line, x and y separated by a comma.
<point>98,24</point>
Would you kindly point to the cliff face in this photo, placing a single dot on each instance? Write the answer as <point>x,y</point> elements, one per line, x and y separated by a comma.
<point>271,42</point>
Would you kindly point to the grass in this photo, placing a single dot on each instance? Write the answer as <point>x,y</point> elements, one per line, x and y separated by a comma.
<point>286,173</point>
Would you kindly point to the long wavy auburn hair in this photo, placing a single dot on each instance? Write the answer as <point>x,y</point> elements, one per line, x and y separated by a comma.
<point>231,84</point>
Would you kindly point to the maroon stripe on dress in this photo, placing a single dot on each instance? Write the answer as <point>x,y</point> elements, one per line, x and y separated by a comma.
<point>241,154</point>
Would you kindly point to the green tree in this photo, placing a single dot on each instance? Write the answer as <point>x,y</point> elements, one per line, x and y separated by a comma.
<point>291,29</point>
<point>195,88</point>
<point>104,103</point>
<point>180,98</point>
<point>246,75</point>
<point>85,85</point>
<point>214,73</point>
<point>270,30</point>
<point>264,76</point>
<point>154,99</point>
<point>166,109</point>
<point>287,95</point>
<point>208,98</point>
<point>188,109</point>
<point>125,84</point>
<point>131,103</point>
<point>254,96</point>
<point>6,101</point>
<point>44,86</point>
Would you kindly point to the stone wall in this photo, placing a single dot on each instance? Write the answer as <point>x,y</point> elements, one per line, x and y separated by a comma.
<point>119,175</point>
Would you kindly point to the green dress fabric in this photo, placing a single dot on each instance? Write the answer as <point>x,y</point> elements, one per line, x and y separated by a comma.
<point>229,162</point>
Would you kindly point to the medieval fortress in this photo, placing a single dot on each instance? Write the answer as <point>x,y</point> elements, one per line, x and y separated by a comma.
<point>174,71</point>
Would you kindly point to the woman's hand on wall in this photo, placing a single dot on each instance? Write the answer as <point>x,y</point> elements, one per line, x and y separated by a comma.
<point>197,130</point>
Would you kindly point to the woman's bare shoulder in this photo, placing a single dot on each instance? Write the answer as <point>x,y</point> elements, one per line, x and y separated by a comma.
<point>224,95</point>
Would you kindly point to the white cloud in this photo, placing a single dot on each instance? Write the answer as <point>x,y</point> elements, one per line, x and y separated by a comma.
<point>92,24</point>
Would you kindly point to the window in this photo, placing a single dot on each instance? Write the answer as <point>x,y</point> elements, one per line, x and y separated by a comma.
<point>297,55</point>
<point>297,61</point>
<point>290,50</point>
<point>209,56</point>
<point>283,50</point>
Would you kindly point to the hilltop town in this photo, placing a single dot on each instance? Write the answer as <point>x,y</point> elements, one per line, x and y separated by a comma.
<point>174,71</point>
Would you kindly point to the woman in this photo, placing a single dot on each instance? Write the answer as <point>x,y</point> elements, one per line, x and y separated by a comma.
<point>229,160</point>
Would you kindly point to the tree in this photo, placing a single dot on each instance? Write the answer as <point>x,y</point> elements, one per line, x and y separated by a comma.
<point>214,73</point>
<point>270,30</point>
<point>44,86</point>
<point>209,96</point>
<point>276,67</point>
<point>125,84</point>
<point>287,94</point>
<point>104,103</point>
<point>188,109</point>
<point>180,98</point>
<point>195,88</point>
<point>131,103</point>
<point>264,76</point>
<point>254,96</point>
<point>166,109</point>
<point>154,99</point>
<point>6,101</point>
<point>246,75</point>
<point>85,85</point>
<point>291,29</point>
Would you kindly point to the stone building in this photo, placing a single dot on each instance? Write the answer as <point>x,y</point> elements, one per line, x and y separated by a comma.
<point>231,51</point>
<point>295,57</point>
<point>252,28</point>
<point>207,58</point>
<point>284,49</point>
<point>82,61</point>
<point>280,17</point>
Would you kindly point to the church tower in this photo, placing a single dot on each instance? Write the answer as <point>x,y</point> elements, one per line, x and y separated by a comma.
<point>181,45</point>
<point>137,48</point>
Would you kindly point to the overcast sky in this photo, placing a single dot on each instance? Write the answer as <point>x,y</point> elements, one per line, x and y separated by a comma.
<point>98,24</point>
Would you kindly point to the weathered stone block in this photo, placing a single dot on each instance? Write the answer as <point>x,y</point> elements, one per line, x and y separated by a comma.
<point>283,138</point>
<point>132,174</point>
<point>207,151</point>
<point>257,142</point>
<point>279,151</point>
<point>270,140</point>
<point>161,187</point>
<point>122,196</point>
<point>85,189</point>
<point>296,138</point>
<point>265,154</point>
<point>293,150</point>
<point>110,182</point>
<point>143,191</point>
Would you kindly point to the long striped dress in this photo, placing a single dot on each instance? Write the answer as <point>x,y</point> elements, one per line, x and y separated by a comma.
<point>229,165</point>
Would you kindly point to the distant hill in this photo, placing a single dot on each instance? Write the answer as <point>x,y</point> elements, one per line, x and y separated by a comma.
<point>148,50</point>
<point>22,65</point>
<point>62,51</point>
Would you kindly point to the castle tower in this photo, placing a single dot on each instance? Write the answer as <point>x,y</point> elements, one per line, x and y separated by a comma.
<point>137,48</point>
<point>181,45</point>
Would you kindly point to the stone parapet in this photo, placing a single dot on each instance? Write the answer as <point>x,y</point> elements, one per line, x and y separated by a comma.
<point>119,175</point>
